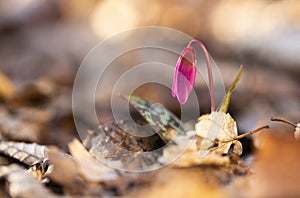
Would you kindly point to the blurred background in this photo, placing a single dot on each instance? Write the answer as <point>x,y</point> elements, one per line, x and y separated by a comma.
<point>43,43</point>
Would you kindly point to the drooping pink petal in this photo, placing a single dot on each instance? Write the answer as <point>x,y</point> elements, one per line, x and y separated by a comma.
<point>184,76</point>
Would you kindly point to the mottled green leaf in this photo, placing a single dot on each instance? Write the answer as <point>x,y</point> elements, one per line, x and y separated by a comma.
<point>157,116</point>
<point>226,100</point>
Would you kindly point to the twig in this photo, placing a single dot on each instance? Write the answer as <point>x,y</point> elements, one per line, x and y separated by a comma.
<point>251,132</point>
<point>283,120</point>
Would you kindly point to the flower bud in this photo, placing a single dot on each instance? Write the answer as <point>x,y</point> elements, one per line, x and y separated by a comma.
<point>184,76</point>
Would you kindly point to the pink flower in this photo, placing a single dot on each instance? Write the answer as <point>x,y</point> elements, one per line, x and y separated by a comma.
<point>184,76</point>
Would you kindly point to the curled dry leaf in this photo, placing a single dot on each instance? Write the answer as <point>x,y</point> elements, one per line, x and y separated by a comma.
<point>24,152</point>
<point>99,176</point>
<point>91,169</point>
<point>20,184</point>
<point>65,172</point>
<point>218,130</point>
<point>83,174</point>
<point>33,155</point>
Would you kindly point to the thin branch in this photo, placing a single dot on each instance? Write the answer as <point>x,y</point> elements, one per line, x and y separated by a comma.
<point>252,132</point>
<point>284,121</point>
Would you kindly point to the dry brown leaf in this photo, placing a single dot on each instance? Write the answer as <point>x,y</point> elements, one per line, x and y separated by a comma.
<point>111,143</point>
<point>85,175</point>
<point>33,114</point>
<point>21,184</point>
<point>90,168</point>
<point>7,88</point>
<point>217,126</point>
<point>36,93</point>
<point>186,154</point>
<point>100,178</point>
<point>14,128</point>
<point>65,172</point>
<point>24,152</point>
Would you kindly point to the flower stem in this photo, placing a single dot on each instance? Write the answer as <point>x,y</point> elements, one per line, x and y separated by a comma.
<point>209,70</point>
